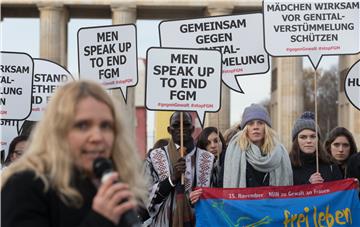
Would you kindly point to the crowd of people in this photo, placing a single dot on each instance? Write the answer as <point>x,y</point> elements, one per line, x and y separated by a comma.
<point>53,183</point>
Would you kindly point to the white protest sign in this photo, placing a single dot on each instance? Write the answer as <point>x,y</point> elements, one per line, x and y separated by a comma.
<point>352,85</point>
<point>48,76</point>
<point>108,55</point>
<point>238,37</point>
<point>183,80</point>
<point>311,28</point>
<point>8,133</point>
<point>16,85</point>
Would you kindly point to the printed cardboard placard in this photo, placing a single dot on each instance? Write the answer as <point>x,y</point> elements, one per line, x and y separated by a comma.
<point>48,76</point>
<point>16,81</point>
<point>108,55</point>
<point>311,28</point>
<point>239,38</point>
<point>352,85</point>
<point>183,80</point>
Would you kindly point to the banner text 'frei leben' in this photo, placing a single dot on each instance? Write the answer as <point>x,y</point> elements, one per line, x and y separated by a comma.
<point>329,204</point>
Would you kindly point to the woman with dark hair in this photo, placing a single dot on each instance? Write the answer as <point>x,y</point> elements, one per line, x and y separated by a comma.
<point>340,144</point>
<point>211,140</point>
<point>16,149</point>
<point>303,154</point>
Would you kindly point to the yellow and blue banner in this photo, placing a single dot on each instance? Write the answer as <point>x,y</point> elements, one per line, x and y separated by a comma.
<point>333,203</point>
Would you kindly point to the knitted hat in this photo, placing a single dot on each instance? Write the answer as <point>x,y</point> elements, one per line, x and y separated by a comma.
<point>255,112</point>
<point>306,121</point>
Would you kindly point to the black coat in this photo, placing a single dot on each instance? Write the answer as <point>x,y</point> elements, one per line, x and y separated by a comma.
<point>24,203</point>
<point>255,178</point>
<point>354,166</point>
<point>329,172</point>
<point>218,171</point>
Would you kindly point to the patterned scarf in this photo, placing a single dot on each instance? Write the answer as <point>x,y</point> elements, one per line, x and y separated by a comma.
<point>182,216</point>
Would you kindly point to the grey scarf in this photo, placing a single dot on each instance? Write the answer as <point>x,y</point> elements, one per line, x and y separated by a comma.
<point>277,163</point>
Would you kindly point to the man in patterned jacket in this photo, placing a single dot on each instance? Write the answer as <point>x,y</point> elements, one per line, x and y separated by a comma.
<point>169,204</point>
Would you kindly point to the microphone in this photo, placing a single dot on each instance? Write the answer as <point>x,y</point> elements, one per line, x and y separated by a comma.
<point>103,169</point>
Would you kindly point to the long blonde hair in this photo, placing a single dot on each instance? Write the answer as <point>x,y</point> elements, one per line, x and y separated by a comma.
<point>48,152</point>
<point>270,140</point>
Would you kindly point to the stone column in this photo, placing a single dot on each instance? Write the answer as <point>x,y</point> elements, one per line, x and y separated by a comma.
<point>126,14</point>
<point>348,115</point>
<point>287,96</point>
<point>53,32</point>
<point>220,119</point>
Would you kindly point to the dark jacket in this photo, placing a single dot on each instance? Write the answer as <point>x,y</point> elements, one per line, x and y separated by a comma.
<point>255,178</point>
<point>218,171</point>
<point>24,203</point>
<point>354,166</point>
<point>329,172</point>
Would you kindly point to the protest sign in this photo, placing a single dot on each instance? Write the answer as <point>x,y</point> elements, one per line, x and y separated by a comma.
<point>333,203</point>
<point>8,133</point>
<point>16,81</point>
<point>108,55</point>
<point>183,80</point>
<point>311,28</point>
<point>352,85</point>
<point>239,38</point>
<point>48,76</point>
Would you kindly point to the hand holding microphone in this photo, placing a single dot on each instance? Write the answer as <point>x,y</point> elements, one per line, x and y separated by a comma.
<point>114,200</point>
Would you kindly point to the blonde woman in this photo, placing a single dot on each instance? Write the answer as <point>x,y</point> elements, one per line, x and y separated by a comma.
<point>53,184</point>
<point>254,156</point>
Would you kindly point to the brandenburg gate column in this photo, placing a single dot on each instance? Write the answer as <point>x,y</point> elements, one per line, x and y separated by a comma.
<point>287,96</point>
<point>126,14</point>
<point>53,32</point>
<point>348,115</point>
<point>220,119</point>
